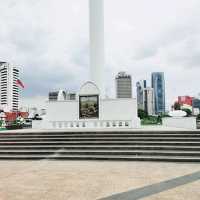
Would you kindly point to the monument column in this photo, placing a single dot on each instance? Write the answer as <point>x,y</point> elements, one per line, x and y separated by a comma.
<point>97,43</point>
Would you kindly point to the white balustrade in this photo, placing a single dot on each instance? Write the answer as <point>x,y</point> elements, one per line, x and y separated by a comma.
<point>91,124</point>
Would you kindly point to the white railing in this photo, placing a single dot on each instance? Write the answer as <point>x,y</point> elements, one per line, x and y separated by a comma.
<point>91,124</point>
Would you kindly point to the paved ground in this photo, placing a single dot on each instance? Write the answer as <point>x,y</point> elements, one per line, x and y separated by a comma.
<point>73,180</point>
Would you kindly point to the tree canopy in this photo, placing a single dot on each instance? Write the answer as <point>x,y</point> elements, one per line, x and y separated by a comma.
<point>142,114</point>
<point>188,111</point>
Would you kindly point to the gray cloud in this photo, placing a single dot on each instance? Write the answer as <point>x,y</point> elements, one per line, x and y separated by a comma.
<point>50,42</point>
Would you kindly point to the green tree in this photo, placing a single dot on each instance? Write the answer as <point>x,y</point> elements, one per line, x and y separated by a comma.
<point>177,106</point>
<point>142,114</point>
<point>188,111</point>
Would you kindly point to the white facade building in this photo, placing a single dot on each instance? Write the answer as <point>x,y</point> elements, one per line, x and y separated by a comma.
<point>145,97</point>
<point>149,100</point>
<point>141,85</point>
<point>9,90</point>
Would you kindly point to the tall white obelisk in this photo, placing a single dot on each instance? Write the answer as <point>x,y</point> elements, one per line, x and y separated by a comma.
<point>97,43</point>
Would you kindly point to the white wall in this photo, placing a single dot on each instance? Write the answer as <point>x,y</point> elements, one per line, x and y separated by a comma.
<point>118,109</point>
<point>62,111</point>
<point>109,110</point>
<point>180,122</point>
<point>113,111</point>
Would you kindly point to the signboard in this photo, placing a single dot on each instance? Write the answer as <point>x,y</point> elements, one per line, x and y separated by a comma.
<point>196,111</point>
<point>89,107</point>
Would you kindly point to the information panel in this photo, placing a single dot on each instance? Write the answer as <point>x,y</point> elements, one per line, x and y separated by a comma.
<point>89,107</point>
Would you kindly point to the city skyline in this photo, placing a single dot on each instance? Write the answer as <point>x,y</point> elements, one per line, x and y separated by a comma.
<point>56,50</point>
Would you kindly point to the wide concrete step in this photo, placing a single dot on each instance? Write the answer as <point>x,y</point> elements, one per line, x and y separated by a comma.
<point>101,152</point>
<point>102,157</point>
<point>124,146</point>
<point>165,143</point>
<point>95,147</point>
<point>100,133</point>
<point>26,136</point>
<point>195,134</point>
<point>119,139</point>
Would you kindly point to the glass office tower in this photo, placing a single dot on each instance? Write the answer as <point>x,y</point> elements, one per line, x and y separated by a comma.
<point>158,84</point>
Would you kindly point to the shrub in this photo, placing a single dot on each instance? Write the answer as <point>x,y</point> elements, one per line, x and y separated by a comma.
<point>142,114</point>
<point>177,106</point>
<point>188,111</point>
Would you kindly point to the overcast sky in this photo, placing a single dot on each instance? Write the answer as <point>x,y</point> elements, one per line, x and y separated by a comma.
<point>49,41</point>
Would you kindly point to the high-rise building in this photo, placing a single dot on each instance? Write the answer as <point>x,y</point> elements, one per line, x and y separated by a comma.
<point>196,106</point>
<point>141,85</point>
<point>149,104</point>
<point>9,89</point>
<point>53,96</point>
<point>145,97</point>
<point>158,84</point>
<point>185,100</point>
<point>123,85</point>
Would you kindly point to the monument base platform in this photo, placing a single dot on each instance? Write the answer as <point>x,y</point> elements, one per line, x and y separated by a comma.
<point>90,111</point>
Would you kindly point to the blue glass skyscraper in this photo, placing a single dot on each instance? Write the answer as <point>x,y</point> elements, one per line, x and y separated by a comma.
<point>158,84</point>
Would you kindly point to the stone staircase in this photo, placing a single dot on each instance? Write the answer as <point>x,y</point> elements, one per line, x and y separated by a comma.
<point>173,146</point>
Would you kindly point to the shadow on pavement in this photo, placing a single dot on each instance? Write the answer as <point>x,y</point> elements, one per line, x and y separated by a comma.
<point>155,188</point>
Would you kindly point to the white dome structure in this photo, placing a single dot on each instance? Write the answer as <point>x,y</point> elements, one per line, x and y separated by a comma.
<point>177,113</point>
<point>89,88</point>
